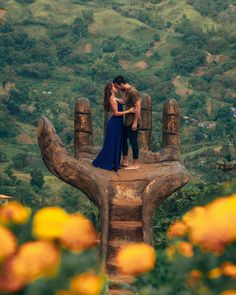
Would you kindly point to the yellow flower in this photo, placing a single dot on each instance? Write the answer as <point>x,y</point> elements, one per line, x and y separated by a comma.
<point>14,212</point>
<point>8,243</point>
<point>194,277</point>
<point>64,292</point>
<point>87,284</point>
<point>170,251</point>
<point>136,258</point>
<point>48,223</point>
<point>78,233</point>
<point>177,229</point>
<point>36,259</point>
<point>229,269</point>
<point>228,292</point>
<point>213,226</point>
<point>10,281</point>
<point>215,273</point>
<point>185,248</point>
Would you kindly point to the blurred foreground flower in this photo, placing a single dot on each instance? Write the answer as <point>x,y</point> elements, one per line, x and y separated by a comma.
<point>177,229</point>
<point>213,226</point>
<point>78,233</point>
<point>14,213</point>
<point>185,248</point>
<point>229,269</point>
<point>10,281</point>
<point>228,292</point>
<point>8,243</point>
<point>36,259</point>
<point>87,284</point>
<point>170,251</point>
<point>136,258</point>
<point>64,292</point>
<point>194,277</point>
<point>215,273</point>
<point>48,223</point>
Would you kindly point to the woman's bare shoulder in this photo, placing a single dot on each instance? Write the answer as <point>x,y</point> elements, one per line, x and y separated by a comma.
<point>113,99</point>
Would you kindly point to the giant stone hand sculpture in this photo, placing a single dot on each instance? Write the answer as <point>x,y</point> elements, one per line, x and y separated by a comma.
<point>127,200</point>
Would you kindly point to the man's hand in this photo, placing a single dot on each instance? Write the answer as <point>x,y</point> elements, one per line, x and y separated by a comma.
<point>134,126</point>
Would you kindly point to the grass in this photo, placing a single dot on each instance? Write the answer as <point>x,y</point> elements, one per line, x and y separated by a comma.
<point>9,149</point>
<point>197,153</point>
<point>110,23</point>
<point>175,10</point>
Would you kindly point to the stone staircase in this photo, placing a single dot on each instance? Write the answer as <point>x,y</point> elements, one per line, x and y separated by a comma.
<point>125,227</point>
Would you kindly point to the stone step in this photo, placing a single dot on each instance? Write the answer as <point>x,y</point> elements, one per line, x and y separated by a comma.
<point>126,224</point>
<point>120,292</point>
<point>112,269</point>
<point>120,279</point>
<point>126,202</point>
<point>123,210</point>
<point>132,230</point>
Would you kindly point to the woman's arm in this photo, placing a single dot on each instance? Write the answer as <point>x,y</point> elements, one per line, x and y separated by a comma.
<point>115,111</point>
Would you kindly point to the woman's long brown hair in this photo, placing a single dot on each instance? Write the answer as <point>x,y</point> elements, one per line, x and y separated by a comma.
<point>106,97</point>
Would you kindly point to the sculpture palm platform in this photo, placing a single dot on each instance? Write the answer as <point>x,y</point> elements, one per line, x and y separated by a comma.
<point>127,199</point>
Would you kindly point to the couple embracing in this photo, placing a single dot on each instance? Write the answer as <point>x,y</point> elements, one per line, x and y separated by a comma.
<point>118,130</point>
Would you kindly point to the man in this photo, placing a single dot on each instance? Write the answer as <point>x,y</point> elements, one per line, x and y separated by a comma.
<point>132,121</point>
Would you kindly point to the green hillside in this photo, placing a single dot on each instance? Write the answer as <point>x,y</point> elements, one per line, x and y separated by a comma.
<point>54,52</point>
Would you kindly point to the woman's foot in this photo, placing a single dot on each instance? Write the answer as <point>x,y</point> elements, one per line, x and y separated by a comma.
<point>124,164</point>
<point>132,167</point>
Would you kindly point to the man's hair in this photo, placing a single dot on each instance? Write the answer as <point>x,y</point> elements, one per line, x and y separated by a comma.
<point>119,80</point>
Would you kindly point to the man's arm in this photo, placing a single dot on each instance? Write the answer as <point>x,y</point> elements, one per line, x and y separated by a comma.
<point>137,105</point>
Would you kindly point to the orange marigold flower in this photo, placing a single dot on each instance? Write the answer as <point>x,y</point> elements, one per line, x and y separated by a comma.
<point>136,258</point>
<point>215,273</point>
<point>185,248</point>
<point>177,229</point>
<point>228,292</point>
<point>64,292</point>
<point>14,212</point>
<point>36,259</point>
<point>229,269</point>
<point>78,233</point>
<point>48,223</point>
<point>213,226</point>
<point>170,251</point>
<point>10,281</point>
<point>87,284</point>
<point>8,243</point>
<point>194,277</point>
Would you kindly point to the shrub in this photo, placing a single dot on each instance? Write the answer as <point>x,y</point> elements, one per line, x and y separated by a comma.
<point>36,70</point>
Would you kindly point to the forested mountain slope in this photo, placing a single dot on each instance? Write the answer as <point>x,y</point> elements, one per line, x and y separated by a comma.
<point>53,52</point>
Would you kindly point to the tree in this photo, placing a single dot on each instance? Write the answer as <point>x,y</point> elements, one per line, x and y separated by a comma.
<point>36,70</point>
<point>3,157</point>
<point>109,45</point>
<point>19,161</point>
<point>79,28</point>
<point>187,58</point>
<point>25,1</point>
<point>37,178</point>
<point>157,37</point>
<point>88,16</point>
<point>197,105</point>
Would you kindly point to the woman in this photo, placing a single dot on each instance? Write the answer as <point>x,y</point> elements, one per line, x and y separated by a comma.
<point>110,155</point>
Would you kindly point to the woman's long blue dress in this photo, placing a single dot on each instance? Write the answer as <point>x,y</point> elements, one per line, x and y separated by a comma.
<point>110,155</point>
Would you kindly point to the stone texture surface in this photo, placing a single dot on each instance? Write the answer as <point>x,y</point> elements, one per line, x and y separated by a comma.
<point>127,199</point>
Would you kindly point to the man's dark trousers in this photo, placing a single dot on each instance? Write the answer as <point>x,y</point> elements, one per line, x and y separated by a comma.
<point>132,135</point>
